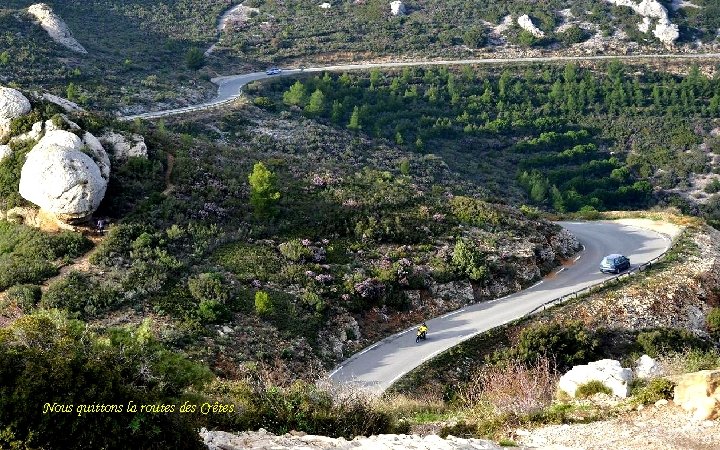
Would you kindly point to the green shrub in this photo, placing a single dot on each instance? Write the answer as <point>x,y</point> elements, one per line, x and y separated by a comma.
<point>26,296</point>
<point>82,295</point>
<point>294,250</point>
<point>568,344</point>
<point>591,388</point>
<point>263,304</point>
<point>209,287</point>
<point>468,260</point>
<point>713,320</point>
<point>653,390</point>
<point>249,262</point>
<point>667,340</point>
<point>46,358</point>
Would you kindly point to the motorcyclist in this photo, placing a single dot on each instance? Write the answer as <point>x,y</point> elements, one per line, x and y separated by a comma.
<point>422,329</point>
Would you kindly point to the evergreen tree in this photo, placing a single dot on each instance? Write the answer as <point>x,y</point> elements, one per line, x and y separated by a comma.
<point>337,111</point>
<point>194,58</point>
<point>263,191</point>
<point>316,105</point>
<point>354,123</point>
<point>295,95</point>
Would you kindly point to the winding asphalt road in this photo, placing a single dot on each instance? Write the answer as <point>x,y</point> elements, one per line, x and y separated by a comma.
<point>378,366</point>
<point>229,87</point>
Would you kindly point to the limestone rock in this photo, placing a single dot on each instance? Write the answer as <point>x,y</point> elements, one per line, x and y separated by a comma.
<point>667,32</point>
<point>699,393</point>
<point>12,105</point>
<point>62,179</point>
<point>607,371</point>
<point>644,26</point>
<point>526,23</point>
<point>647,367</point>
<point>397,8</point>
<point>124,146</point>
<point>64,103</point>
<point>98,154</point>
<point>55,27</point>
<point>461,291</point>
<point>5,151</point>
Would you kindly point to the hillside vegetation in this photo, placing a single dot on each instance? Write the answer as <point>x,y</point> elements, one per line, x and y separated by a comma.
<point>563,137</point>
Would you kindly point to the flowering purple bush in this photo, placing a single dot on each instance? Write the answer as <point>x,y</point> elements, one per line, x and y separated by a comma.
<point>370,288</point>
<point>324,278</point>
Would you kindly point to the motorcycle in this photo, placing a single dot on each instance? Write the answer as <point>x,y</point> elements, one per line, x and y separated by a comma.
<point>420,335</point>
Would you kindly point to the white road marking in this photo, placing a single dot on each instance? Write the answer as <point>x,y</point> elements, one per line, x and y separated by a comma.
<point>560,270</point>
<point>335,371</point>
<point>577,258</point>
<point>369,348</point>
<point>536,284</point>
<point>452,313</point>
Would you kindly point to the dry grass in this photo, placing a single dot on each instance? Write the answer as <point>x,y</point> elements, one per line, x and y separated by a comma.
<point>689,361</point>
<point>512,388</point>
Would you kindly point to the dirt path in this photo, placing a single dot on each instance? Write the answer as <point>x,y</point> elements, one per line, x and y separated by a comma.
<point>81,264</point>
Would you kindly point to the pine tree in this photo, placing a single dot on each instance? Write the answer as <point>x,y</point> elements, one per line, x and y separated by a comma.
<point>354,123</point>
<point>316,105</point>
<point>295,95</point>
<point>263,191</point>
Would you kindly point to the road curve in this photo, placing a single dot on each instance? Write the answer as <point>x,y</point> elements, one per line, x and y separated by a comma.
<point>229,87</point>
<point>378,366</point>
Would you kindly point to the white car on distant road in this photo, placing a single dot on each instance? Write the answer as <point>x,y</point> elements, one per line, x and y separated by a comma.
<point>273,71</point>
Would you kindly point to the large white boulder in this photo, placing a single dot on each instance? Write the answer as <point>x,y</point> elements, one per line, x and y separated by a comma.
<point>666,32</point>
<point>608,371</point>
<point>527,24</point>
<point>55,27</point>
<point>397,8</point>
<point>647,367</point>
<point>124,146</point>
<point>61,176</point>
<point>12,105</point>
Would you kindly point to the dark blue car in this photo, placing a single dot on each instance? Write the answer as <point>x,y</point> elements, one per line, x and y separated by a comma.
<point>614,263</point>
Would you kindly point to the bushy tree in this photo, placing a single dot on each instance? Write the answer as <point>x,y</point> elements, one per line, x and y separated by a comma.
<point>568,344</point>
<point>295,96</point>
<point>194,58</point>
<point>316,104</point>
<point>263,190</point>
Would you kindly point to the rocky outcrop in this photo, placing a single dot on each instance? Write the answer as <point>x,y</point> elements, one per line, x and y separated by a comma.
<point>527,24</point>
<point>646,367</point>
<point>124,146</point>
<point>65,175</point>
<point>55,26</point>
<point>64,103</point>
<point>219,440</point>
<point>397,8</point>
<point>665,31</point>
<point>458,291</point>
<point>12,105</point>
<point>608,371</point>
<point>699,393</point>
